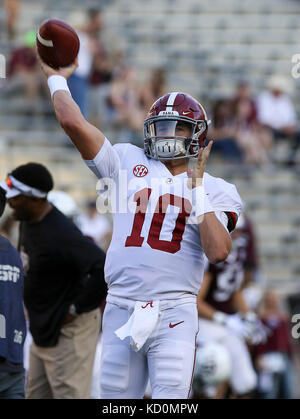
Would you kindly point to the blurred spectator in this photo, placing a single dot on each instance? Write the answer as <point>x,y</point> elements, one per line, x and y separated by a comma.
<point>274,357</point>
<point>243,94</point>
<point>95,226</point>
<point>105,66</point>
<point>274,107</point>
<point>94,22</point>
<point>239,136</point>
<point>224,133</point>
<point>105,59</point>
<point>78,82</point>
<point>275,110</point>
<point>127,111</point>
<point>153,88</point>
<point>254,139</point>
<point>24,72</point>
<point>12,8</point>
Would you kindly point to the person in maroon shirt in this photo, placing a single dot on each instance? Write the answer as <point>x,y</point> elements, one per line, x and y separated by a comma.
<point>23,71</point>
<point>273,358</point>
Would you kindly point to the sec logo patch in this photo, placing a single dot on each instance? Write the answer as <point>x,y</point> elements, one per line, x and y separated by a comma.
<point>140,170</point>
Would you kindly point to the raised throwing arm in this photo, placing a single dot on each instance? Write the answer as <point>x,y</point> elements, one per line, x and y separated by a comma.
<point>86,138</point>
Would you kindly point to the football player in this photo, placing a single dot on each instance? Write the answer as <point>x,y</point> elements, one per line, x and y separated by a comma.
<point>224,316</point>
<point>173,216</point>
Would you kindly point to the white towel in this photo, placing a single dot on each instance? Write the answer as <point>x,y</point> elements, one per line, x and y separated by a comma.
<point>141,323</point>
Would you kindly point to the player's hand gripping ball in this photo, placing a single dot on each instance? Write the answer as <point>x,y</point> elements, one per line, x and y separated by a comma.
<point>57,43</point>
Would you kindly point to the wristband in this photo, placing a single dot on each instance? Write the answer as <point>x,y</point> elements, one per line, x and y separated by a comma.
<point>56,82</point>
<point>200,201</point>
<point>219,317</point>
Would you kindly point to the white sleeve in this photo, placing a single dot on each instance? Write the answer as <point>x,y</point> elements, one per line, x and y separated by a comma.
<point>107,163</point>
<point>223,196</point>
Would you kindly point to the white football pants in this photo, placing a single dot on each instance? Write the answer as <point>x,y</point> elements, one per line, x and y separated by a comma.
<point>167,358</point>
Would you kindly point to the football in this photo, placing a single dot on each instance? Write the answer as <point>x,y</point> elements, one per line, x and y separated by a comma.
<point>57,43</point>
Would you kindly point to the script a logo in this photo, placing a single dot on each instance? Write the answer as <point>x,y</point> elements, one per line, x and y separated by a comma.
<point>148,304</point>
<point>140,170</point>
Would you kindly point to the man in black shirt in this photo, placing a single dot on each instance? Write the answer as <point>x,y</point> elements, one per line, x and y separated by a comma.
<point>12,319</point>
<point>64,287</point>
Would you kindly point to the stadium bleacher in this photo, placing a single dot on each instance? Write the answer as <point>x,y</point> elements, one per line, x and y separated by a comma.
<point>207,47</point>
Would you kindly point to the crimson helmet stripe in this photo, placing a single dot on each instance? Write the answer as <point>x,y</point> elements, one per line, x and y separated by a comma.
<point>172,99</point>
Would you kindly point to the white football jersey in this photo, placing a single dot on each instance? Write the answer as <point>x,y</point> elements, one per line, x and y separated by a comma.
<point>155,252</point>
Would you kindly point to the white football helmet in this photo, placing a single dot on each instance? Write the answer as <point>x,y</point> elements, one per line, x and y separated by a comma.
<point>213,364</point>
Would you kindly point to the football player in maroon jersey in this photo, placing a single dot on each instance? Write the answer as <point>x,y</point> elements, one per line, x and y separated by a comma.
<point>224,316</point>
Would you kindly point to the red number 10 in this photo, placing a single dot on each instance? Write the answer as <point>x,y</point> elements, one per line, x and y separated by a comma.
<point>142,200</point>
